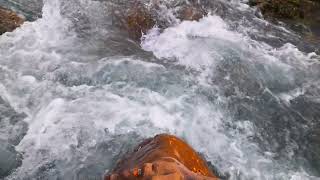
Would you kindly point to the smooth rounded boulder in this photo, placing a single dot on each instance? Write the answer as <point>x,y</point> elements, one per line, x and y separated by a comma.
<point>159,158</point>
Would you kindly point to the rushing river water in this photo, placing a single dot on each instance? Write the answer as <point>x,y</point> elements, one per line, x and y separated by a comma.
<point>76,93</point>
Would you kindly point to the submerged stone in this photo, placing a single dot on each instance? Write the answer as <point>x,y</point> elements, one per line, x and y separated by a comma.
<point>191,13</point>
<point>30,9</point>
<point>138,22</point>
<point>162,157</point>
<point>305,12</point>
<point>301,16</point>
<point>9,20</point>
<point>137,18</point>
<point>9,159</point>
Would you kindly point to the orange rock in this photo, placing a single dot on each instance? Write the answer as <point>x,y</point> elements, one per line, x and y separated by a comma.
<point>9,20</point>
<point>138,18</point>
<point>138,21</point>
<point>191,13</point>
<point>162,157</point>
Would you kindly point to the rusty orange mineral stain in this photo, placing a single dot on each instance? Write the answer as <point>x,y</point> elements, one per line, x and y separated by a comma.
<point>138,21</point>
<point>136,172</point>
<point>9,20</point>
<point>174,152</point>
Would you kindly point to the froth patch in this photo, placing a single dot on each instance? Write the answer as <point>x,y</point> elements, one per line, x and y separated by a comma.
<point>190,42</point>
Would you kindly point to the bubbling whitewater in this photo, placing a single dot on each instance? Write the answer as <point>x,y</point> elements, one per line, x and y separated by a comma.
<point>87,93</point>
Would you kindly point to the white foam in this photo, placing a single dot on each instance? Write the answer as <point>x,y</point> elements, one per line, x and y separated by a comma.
<point>197,45</point>
<point>180,42</point>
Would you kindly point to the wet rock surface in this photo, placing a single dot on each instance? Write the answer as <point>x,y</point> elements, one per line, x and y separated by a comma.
<point>285,9</point>
<point>138,21</point>
<point>30,9</point>
<point>9,159</point>
<point>301,16</point>
<point>191,13</point>
<point>9,20</point>
<point>139,16</point>
<point>162,157</point>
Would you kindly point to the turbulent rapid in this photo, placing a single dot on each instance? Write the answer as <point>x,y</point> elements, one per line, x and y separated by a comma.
<point>76,93</point>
